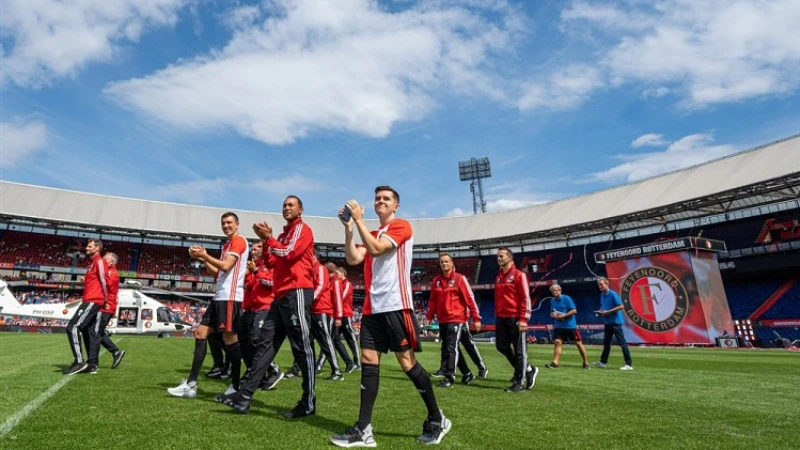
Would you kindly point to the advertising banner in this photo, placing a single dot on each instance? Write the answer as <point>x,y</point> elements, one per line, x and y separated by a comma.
<point>671,298</point>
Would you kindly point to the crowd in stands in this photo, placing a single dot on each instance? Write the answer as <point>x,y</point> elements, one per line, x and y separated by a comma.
<point>46,298</point>
<point>31,322</point>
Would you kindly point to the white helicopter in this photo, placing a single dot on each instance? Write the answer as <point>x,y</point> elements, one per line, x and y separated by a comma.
<point>136,312</point>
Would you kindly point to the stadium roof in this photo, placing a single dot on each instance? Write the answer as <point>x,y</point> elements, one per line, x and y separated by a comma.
<point>762,175</point>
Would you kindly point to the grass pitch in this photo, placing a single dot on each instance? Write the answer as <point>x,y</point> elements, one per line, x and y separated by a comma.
<point>674,399</point>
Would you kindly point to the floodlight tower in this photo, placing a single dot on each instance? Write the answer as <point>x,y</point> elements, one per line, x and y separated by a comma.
<point>474,170</point>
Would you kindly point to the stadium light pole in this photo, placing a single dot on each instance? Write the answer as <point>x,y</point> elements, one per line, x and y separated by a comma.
<point>475,170</point>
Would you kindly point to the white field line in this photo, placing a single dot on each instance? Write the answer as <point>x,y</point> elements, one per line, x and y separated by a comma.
<point>34,404</point>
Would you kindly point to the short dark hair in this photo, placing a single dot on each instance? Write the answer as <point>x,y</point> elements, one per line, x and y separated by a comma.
<point>389,188</point>
<point>97,242</point>
<point>299,202</point>
<point>507,250</point>
<point>230,214</point>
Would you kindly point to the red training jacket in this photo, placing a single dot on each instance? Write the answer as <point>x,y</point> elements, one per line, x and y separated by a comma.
<point>294,258</point>
<point>336,295</point>
<point>347,298</point>
<point>452,300</point>
<point>512,297</point>
<point>112,281</point>
<point>95,289</point>
<point>258,286</point>
<point>262,292</point>
<point>322,290</point>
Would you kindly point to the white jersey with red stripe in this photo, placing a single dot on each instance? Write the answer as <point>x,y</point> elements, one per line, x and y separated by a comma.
<point>387,278</point>
<point>230,284</point>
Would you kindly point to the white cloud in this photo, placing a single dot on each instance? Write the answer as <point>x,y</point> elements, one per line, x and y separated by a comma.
<point>649,139</point>
<point>508,196</point>
<point>657,92</point>
<point>455,212</point>
<point>564,89</point>
<point>19,140</point>
<point>50,39</point>
<point>504,204</point>
<point>204,190</point>
<point>709,52</point>
<point>344,66</point>
<point>295,183</point>
<point>685,152</point>
<point>241,17</point>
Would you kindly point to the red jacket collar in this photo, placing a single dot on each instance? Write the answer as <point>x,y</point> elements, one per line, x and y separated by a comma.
<point>296,221</point>
<point>511,270</point>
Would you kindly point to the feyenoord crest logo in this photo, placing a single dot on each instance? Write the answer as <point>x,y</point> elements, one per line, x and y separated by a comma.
<point>654,299</point>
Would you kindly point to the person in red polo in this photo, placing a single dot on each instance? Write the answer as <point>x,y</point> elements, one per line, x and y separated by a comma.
<point>95,295</point>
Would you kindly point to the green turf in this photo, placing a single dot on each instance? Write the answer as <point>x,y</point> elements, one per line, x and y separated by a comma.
<point>675,399</point>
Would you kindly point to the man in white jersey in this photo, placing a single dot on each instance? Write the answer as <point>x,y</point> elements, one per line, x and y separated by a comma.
<point>222,314</point>
<point>388,321</point>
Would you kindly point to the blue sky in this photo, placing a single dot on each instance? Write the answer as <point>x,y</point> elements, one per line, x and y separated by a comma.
<point>237,104</point>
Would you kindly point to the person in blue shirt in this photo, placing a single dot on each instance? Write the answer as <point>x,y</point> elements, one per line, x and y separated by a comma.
<point>565,327</point>
<point>611,311</point>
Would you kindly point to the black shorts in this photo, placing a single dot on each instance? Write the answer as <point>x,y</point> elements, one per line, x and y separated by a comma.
<point>567,334</point>
<point>397,331</point>
<point>222,316</point>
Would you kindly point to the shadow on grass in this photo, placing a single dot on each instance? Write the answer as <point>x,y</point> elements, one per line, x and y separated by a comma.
<point>60,367</point>
<point>260,408</point>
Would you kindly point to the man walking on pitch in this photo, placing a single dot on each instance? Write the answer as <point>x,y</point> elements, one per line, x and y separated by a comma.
<point>565,328</point>
<point>258,298</point>
<point>388,322</point>
<point>346,328</point>
<point>223,313</point>
<point>338,314</point>
<point>289,316</point>
<point>322,320</point>
<point>95,295</point>
<point>512,306</point>
<point>452,302</point>
<point>98,334</point>
<point>611,311</point>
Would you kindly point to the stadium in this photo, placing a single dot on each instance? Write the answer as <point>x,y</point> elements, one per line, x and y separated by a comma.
<point>734,220</point>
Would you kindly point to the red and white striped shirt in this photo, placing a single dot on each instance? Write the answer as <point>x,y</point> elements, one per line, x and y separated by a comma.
<point>230,284</point>
<point>387,278</point>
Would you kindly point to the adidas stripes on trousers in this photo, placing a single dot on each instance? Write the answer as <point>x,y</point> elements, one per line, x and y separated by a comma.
<point>81,324</point>
<point>469,347</point>
<point>289,317</point>
<point>98,337</point>
<point>322,329</point>
<point>512,344</point>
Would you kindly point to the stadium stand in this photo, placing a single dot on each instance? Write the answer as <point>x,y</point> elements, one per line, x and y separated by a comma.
<point>746,295</point>
<point>788,306</point>
<point>34,248</point>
